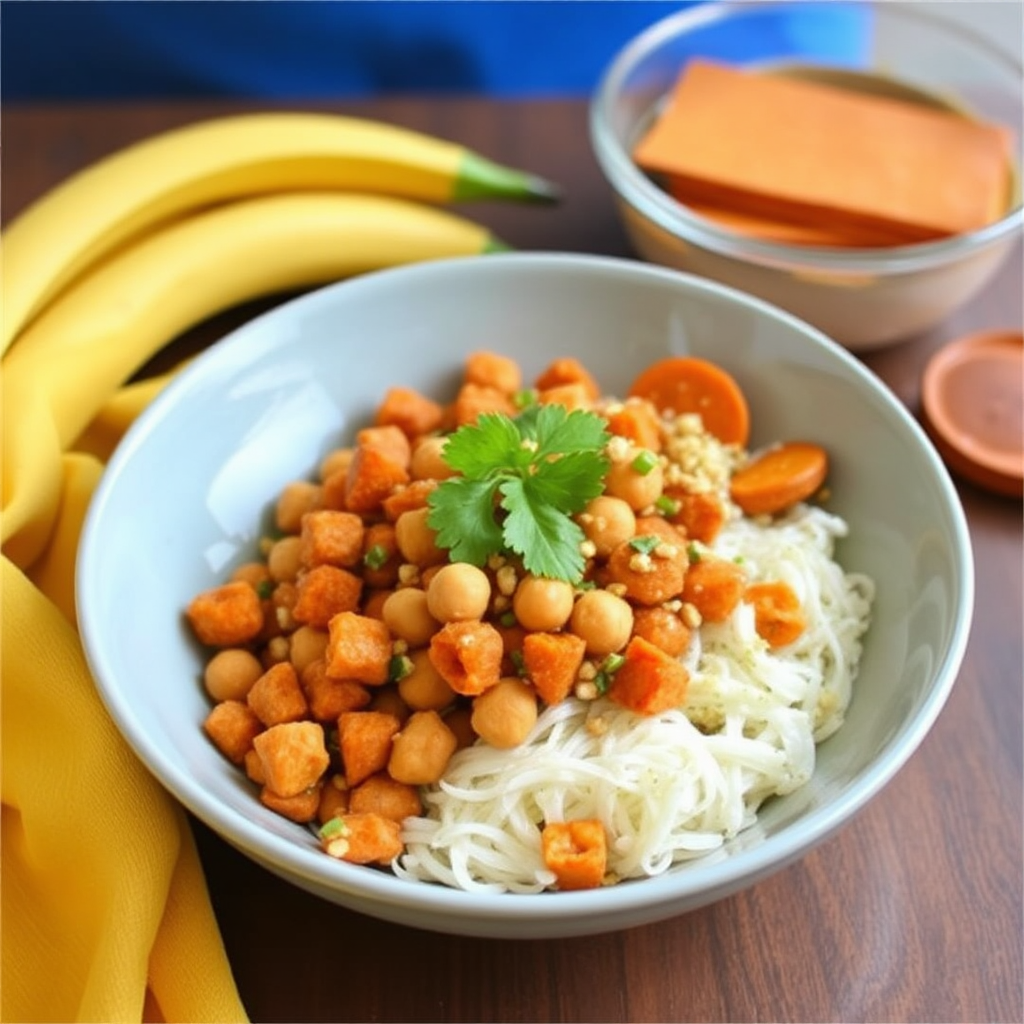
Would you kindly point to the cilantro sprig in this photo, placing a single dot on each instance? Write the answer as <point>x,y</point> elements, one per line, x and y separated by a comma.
<point>520,482</point>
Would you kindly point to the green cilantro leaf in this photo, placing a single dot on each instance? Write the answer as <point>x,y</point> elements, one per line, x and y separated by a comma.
<point>463,516</point>
<point>520,481</point>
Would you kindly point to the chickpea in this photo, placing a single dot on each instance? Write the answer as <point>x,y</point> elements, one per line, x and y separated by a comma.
<point>638,488</point>
<point>428,460</point>
<point>336,461</point>
<point>297,498</point>
<point>285,559</point>
<point>457,592</point>
<point>307,644</point>
<point>606,522</point>
<point>253,573</point>
<point>230,673</point>
<point>420,752</point>
<point>542,604</point>
<point>424,688</point>
<point>504,714</point>
<point>603,621</point>
<point>417,540</point>
<point>407,615</point>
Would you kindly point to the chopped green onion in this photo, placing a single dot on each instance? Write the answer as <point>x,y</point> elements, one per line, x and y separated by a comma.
<point>693,553</point>
<point>525,398</point>
<point>376,557</point>
<point>518,662</point>
<point>508,620</point>
<point>333,828</point>
<point>607,671</point>
<point>666,505</point>
<point>399,667</point>
<point>645,461</point>
<point>645,543</point>
<point>265,589</point>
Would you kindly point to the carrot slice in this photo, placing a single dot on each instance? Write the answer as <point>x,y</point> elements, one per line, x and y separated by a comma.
<point>688,384</point>
<point>779,478</point>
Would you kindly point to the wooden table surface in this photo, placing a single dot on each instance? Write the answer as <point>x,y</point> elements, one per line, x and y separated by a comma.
<point>913,912</point>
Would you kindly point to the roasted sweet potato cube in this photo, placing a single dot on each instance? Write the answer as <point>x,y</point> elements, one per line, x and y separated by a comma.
<point>567,370</point>
<point>700,514</point>
<point>334,798</point>
<point>323,592</point>
<point>383,795</point>
<point>372,476</point>
<point>714,586</point>
<point>379,557</point>
<point>358,647</point>
<point>473,400</point>
<point>362,838</point>
<point>409,410</point>
<point>294,756</point>
<point>232,725</point>
<point>649,681</point>
<point>301,807</point>
<point>365,739</point>
<point>226,616</point>
<point>404,499</point>
<point>493,370</point>
<point>277,696</point>
<point>389,439</point>
<point>330,537</point>
<point>552,662</point>
<point>572,396</point>
<point>468,655</point>
<point>576,851</point>
<point>637,420</point>
<point>329,697</point>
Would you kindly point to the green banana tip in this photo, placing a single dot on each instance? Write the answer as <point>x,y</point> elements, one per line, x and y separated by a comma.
<point>494,244</point>
<point>480,178</point>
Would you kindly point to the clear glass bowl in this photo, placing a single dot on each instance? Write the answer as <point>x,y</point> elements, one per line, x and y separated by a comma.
<point>863,298</point>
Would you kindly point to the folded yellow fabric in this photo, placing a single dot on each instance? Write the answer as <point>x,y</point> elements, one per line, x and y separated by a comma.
<point>105,911</point>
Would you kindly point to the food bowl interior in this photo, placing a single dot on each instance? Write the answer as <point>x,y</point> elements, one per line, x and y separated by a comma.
<point>187,495</point>
<point>864,298</point>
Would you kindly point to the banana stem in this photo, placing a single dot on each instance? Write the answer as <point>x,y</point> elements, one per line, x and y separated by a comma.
<point>479,178</point>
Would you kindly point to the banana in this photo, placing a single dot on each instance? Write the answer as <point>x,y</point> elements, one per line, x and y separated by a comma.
<point>108,323</point>
<point>225,159</point>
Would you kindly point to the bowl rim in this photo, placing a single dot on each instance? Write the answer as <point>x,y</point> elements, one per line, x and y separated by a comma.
<point>448,909</point>
<point>634,187</point>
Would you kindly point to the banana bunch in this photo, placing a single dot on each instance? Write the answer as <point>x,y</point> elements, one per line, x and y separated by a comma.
<point>110,266</point>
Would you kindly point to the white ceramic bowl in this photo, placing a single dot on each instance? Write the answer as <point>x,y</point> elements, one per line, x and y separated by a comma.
<point>864,298</point>
<point>186,493</point>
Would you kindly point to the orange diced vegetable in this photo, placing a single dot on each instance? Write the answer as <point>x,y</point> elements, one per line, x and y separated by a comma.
<point>714,586</point>
<point>404,499</point>
<point>574,395</point>
<point>663,628</point>
<point>493,370</point>
<point>324,592</point>
<point>567,370</point>
<point>277,696</point>
<point>226,616</point>
<point>409,410</point>
<point>372,475</point>
<point>232,726</point>
<point>331,537</point>
<point>362,839</point>
<point>294,756</point>
<point>778,616</point>
<point>329,697</point>
<point>301,807</point>
<point>688,384</point>
<point>359,648</point>
<point>649,680</point>
<point>468,655</point>
<point>552,662</point>
<point>473,400</point>
<point>576,851</point>
<point>700,515</point>
<point>636,419</point>
<point>779,478</point>
<point>383,795</point>
<point>365,739</point>
<point>388,439</point>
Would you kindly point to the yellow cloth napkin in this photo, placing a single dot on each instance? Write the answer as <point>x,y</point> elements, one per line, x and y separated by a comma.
<point>105,911</point>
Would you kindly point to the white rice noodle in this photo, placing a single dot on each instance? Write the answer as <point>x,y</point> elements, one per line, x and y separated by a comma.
<point>676,785</point>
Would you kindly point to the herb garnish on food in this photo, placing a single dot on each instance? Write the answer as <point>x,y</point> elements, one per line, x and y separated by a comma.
<point>521,481</point>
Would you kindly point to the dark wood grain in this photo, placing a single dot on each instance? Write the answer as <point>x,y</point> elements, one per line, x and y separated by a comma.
<point>912,913</point>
